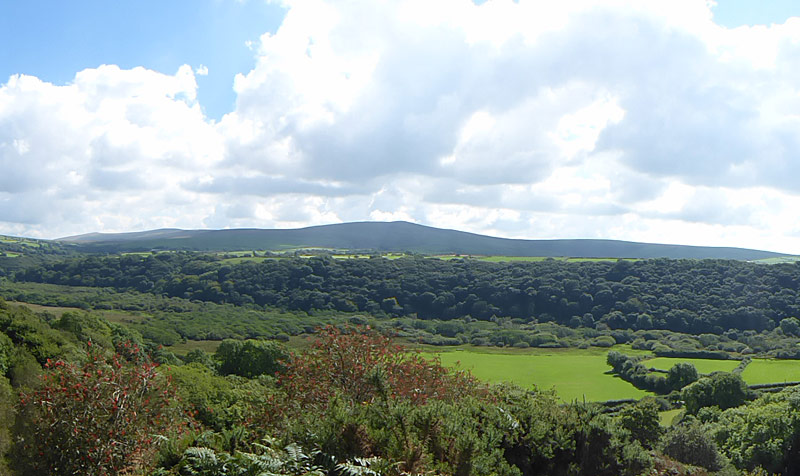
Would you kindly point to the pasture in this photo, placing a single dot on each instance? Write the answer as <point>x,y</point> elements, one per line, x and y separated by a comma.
<point>666,417</point>
<point>575,374</point>
<point>778,260</point>
<point>528,259</point>
<point>761,371</point>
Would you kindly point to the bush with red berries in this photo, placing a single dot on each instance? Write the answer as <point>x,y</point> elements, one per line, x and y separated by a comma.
<point>104,417</point>
<point>361,365</point>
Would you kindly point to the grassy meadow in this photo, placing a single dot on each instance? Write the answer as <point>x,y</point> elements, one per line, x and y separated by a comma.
<point>667,416</point>
<point>575,374</point>
<point>528,259</point>
<point>761,371</point>
<point>778,260</point>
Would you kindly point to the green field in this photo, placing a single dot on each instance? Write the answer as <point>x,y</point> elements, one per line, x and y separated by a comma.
<point>704,366</point>
<point>667,416</point>
<point>500,259</point>
<point>779,260</point>
<point>771,371</point>
<point>575,374</point>
<point>529,259</point>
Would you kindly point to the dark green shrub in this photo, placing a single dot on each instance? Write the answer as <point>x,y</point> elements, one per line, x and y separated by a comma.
<point>722,389</point>
<point>681,375</point>
<point>642,421</point>
<point>691,444</point>
<point>250,358</point>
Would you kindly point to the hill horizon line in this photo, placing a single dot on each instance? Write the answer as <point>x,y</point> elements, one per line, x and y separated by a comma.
<point>396,236</point>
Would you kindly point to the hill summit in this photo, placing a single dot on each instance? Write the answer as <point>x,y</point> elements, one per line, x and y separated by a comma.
<point>395,236</point>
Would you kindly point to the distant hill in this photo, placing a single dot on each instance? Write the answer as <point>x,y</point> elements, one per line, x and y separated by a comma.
<point>394,236</point>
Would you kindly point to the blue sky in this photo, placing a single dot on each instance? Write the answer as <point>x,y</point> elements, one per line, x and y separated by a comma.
<point>54,39</point>
<point>733,13</point>
<point>660,121</point>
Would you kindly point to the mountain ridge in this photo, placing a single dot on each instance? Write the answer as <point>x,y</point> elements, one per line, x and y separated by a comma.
<point>395,236</point>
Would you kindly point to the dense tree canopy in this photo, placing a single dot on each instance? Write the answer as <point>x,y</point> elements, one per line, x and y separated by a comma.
<point>708,296</point>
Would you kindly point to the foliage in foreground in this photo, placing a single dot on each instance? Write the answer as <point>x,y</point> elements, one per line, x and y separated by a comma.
<point>378,411</point>
<point>362,365</point>
<point>102,417</point>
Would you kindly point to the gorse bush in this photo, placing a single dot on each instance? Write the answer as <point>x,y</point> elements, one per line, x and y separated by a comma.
<point>362,365</point>
<point>103,417</point>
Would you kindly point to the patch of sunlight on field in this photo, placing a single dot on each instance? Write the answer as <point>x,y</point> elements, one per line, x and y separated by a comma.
<point>498,259</point>
<point>704,366</point>
<point>771,371</point>
<point>532,259</point>
<point>778,260</point>
<point>666,417</point>
<point>575,374</point>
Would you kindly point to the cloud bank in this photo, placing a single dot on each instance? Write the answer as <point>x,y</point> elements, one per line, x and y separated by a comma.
<point>617,119</point>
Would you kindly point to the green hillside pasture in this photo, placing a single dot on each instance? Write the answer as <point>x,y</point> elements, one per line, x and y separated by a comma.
<point>575,374</point>
<point>704,366</point>
<point>528,259</point>
<point>778,260</point>
<point>761,371</point>
<point>20,241</point>
<point>501,259</point>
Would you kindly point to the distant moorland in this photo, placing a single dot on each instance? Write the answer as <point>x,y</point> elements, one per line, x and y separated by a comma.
<point>394,236</point>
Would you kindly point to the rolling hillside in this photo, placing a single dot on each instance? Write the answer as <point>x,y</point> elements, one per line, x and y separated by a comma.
<point>394,236</point>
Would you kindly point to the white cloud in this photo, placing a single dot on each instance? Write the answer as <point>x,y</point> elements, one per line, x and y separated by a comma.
<point>622,119</point>
<point>110,150</point>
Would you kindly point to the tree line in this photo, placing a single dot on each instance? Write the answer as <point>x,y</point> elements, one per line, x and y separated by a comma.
<point>687,296</point>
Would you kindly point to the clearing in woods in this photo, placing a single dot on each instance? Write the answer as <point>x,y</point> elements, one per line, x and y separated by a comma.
<point>761,371</point>
<point>575,374</point>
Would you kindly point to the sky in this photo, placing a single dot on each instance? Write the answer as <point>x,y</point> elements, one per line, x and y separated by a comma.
<point>674,121</point>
